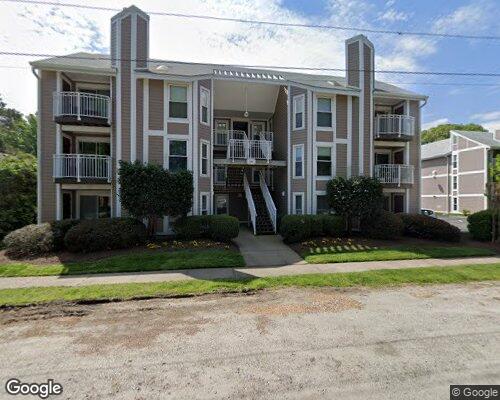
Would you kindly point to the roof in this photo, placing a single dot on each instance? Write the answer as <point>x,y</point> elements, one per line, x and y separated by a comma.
<point>485,138</point>
<point>102,63</point>
<point>440,148</point>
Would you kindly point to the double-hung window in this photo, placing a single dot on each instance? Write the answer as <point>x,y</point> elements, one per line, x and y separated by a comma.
<point>298,203</point>
<point>177,155</point>
<point>454,159</point>
<point>324,114</point>
<point>324,161</point>
<point>455,182</point>
<point>298,111</point>
<point>204,158</point>
<point>178,105</point>
<point>298,161</point>
<point>455,203</point>
<point>204,203</point>
<point>204,105</point>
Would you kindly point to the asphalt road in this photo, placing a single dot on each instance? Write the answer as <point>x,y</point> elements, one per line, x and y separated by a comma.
<point>459,221</point>
<point>410,343</point>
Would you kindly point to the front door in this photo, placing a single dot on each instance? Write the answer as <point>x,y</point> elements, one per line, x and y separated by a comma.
<point>221,204</point>
<point>240,126</point>
<point>399,157</point>
<point>256,129</point>
<point>398,202</point>
<point>382,158</point>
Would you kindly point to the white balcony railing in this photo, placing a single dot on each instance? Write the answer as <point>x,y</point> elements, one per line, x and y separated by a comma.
<point>394,174</point>
<point>222,137</point>
<point>390,125</point>
<point>271,207</point>
<point>249,150</point>
<point>251,205</point>
<point>82,166</point>
<point>78,104</point>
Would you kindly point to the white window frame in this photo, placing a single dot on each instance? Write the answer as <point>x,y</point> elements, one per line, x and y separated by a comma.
<point>454,161</point>
<point>207,144</point>
<point>332,163</point>
<point>188,103</point>
<point>91,193</point>
<point>454,182</point>
<point>332,111</point>
<point>226,196</point>
<point>207,196</point>
<point>295,147</point>
<point>302,98</point>
<point>294,202</point>
<point>176,139</point>
<point>317,194</point>
<point>205,91</point>
<point>454,207</point>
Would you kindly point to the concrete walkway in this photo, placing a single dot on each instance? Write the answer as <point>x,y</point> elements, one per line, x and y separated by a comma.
<point>232,273</point>
<point>268,250</point>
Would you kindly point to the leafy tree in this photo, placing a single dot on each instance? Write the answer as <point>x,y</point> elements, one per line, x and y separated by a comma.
<point>17,191</point>
<point>17,132</point>
<point>442,131</point>
<point>493,194</point>
<point>149,191</point>
<point>357,197</point>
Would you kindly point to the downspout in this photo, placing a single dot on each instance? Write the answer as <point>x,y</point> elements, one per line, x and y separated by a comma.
<point>38,149</point>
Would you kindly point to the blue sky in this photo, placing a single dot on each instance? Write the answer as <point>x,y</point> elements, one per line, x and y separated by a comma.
<point>61,30</point>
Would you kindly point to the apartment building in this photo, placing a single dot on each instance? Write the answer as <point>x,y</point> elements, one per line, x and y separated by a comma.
<point>455,171</point>
<point>260,143</point>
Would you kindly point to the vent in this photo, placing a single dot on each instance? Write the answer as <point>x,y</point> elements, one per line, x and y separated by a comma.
<point>261,75</point>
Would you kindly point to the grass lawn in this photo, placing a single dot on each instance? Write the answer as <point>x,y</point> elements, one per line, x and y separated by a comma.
<point>317,252</point>
<point>134,262</point>
<point>374,278</point>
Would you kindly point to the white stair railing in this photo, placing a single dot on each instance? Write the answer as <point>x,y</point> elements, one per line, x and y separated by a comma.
<point>271,208</point>
<point>88,166</point>
<point>395,174</point>
<point>251,204</point>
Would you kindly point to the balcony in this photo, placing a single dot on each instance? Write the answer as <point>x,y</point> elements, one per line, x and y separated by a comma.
<point>394,174</point>
<point>394,127</point>
<point>249,150</point>
<point>87,168</point>
<point>82,108</point>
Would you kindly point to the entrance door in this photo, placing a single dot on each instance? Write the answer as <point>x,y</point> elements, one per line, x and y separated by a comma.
<point>399,157</point>
<point>382,158</point>
<point>240,126</point>
<point>398,203</point>
<point>221,204</point>
<point>257,127</point>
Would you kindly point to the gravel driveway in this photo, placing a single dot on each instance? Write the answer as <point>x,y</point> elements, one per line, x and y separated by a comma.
<point>411,342</point>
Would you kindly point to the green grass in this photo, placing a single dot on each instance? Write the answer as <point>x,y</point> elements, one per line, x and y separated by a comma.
<point>154,261</point>
<point>375,278</point>
<point>340,254</point>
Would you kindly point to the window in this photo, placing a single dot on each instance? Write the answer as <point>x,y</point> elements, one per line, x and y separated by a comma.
<point>99,148</point>
<point>204,159</point>
<point>177,155</point>
<point>455,204</point>
<point>324,114</point>
<point>298,203</point>
<point>67,205</point>
<point>455,182</point>
<point>178,107</point>
<point>204,105</point>
<point>298,111</point>
<point>221,204</point>
<point>92,207</point>
<point>454,161</point>
<point>322,206</point>
<point>324,161</point>
<point>204,203</point>
<point>298,161</point>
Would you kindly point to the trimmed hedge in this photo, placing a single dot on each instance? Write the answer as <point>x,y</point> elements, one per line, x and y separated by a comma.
<point>59,229</point>
<point>296,228</point>
<point>222,228</point>
<point>105,234</point>
<point>384,225</point>
<point>480,225</point>
<point>30,240</point>
<point>424,227</point>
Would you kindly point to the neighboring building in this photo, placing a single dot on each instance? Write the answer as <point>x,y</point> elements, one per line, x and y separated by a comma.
<point>455,171</point>
<point>260,143</point>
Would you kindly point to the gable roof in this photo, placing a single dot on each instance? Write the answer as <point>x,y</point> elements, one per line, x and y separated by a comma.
<point>440,148</point>
<point>484,138</point>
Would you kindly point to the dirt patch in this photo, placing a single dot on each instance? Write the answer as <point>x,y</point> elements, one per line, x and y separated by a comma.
<point>42,312</point>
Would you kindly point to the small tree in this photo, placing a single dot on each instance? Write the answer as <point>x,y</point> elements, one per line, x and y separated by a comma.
<point>149,191</point>
<point>357,197</point>
<point>492,189</point>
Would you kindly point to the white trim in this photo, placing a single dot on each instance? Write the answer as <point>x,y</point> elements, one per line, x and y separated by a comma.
<point>466,138</point>
<point>206,143</point>
<point>349,136</point>
<point>158,132</point>
<point>207,195</point>
<point>90,193</point>
<point>294,153</point>
<point>478,171</point>
<point>58,151</point>
<point>471,195</point>
<point>166,151</point>
<point>204,89</point>
<point>295,111</point>
<point>361,125</point>
<point>316,194</point>
<point>333,107</point>
<point>167,102</point>
<point>434,195</point>
<point>486,178</point>
<point>118,116</point>
<point>294,202</point>
<point>435,176</point>
<point>145,120</point>
<point>471,148</point>
<point>211,152</point>
<point>289,149</point>
<point>133,88</point>
<point>225,195</point>
<point>310,149</point>
<point>86,129</point>
<point>333,169</point>
<point>192,96</point>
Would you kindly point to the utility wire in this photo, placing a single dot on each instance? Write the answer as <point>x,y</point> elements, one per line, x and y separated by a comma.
<point>271,23</point>
<point>278,67</point>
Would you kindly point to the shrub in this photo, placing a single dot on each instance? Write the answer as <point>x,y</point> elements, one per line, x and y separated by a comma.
<point>480,225</point>
<point>223,228</point>
<point>424,227</point>
<point>105,234</point>
<point>30,240</point>
<point>466,212</point>
<point>59,230</point>
<point>295,228</point>
<point>316,225</point>
<point>383,225</point>
<point>194,227</point>
<point>334,225</point>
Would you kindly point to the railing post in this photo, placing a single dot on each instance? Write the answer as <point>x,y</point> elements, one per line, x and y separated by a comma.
<point>399,175</point>
<point>108,166</point>
<point>78,105</point>
<point>78,178</point>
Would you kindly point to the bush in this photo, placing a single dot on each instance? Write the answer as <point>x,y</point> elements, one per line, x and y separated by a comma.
<point>30,240</point>
<point>334,225</point>
<point>480,225</point>
<point>105,234</point>
<point>223,228</point>
<point>424,227</point>
<point>59,230</point>
<point>194,227</point>
<point>384,225</point>
<point>296,228</point>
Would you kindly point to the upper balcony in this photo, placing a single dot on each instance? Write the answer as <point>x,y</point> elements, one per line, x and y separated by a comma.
<point>242,150</point>
<point>85,168</point>
<point>82,108</point>
<point>394,174</point>
<point>394,127</point>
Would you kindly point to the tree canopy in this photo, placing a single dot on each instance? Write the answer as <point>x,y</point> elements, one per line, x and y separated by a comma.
<point>17,132</point>
<point>442,131</point>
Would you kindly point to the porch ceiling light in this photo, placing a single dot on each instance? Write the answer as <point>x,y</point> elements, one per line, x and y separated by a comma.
<point>245,114</point>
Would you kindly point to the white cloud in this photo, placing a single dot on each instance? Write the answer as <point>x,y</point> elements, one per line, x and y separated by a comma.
<point>487,116</point>
<point>466,19</point>
<point>492,126</point>
<point>392,15</point>
<point>436,122</point>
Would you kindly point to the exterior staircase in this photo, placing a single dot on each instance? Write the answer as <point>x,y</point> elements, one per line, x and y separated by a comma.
<point>234,178</point>
<point>264,225</point>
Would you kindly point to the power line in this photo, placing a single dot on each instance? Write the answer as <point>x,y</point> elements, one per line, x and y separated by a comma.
<point>276,67</point>
<point>271,23</point>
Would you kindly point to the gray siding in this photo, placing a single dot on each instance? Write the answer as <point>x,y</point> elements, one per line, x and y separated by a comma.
<point>300,137</point>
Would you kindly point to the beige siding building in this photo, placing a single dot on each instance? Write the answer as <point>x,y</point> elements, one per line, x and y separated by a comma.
<point>260,143</point>
<point>455,171</point>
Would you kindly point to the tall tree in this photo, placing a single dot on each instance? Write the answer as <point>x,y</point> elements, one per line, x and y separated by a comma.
<point>17,132</point>
<point>442,131</point>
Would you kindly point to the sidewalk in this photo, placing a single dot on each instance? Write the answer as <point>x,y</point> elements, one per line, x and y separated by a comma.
<point>232,273</point>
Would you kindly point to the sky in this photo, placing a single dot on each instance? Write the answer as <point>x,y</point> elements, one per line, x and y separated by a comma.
<point>62,30</point>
